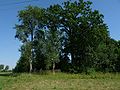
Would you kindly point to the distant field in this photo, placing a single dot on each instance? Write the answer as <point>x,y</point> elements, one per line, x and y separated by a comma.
<point>60,81</point>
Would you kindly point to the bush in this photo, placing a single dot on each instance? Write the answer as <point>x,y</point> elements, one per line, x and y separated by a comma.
<point>90,71</point>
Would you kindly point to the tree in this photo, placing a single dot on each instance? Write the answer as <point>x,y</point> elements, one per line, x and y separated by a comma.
<point>39,51</point>
<point>117,61</point>
<point>53,48</point>
<point>53,43</point>
<point>29,23</point>
<point>6,68</point>
<point>33,23</point>
<point>72,32</point>
<point>23,62</point>
<point>107,55</point>
<point>83,30</point>
<point>1,67</point>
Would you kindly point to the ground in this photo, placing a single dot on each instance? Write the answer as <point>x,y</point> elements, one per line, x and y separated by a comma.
<point>60,81</point>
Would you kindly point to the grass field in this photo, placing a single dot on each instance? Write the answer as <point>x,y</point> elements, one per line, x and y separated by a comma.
<point>60,81</point>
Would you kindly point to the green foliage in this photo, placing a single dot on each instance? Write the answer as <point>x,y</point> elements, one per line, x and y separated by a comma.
<point>6,68</point>
<point>1,67</point>
<point>83,31</point>
<point>39,51</point>
<point>44,43</point>
<point>30,22</point>
<point>71,37</point>
<point>91,71</point>
<point>52,48</point>
<point>107,56</point>
<point>24,61</point>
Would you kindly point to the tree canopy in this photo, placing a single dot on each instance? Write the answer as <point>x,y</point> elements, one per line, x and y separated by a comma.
<point>71,37</point>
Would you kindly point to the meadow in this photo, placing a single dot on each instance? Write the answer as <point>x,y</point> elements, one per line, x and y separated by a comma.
<point>60,81</point>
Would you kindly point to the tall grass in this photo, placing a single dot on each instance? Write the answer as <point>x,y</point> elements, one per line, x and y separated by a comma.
<point>60,81</point>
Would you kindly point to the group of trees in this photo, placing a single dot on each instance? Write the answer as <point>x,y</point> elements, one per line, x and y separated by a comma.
<point>4,68</point>
<point>71,37</point>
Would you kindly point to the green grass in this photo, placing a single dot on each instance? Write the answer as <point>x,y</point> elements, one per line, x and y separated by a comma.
<point>60,81</point>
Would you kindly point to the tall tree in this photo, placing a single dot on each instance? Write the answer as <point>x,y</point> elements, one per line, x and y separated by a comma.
<point>53,48</point>
<point>53,34</point>
<point>71,31</point>
<point>83,29</point>
<point>29,23</point>
<point>39,50</point>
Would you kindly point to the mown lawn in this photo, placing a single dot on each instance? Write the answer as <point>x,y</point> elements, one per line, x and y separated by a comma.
<point>60,81</point>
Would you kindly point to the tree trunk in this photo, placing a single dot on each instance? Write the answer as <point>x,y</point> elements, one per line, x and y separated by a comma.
<point>53,69</point>
<point>31,59</point>
<point>30,66</point>
<point>72,58</point>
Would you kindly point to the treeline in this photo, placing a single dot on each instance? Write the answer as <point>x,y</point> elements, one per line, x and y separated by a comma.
<point>4,68</point>
<point>71,37</point>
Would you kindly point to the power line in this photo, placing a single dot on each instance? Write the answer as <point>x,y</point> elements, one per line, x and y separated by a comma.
<point>5,8</point>
<point>17,3</point>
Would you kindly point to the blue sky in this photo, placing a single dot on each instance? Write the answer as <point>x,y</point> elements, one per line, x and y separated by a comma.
<point>8,18</point>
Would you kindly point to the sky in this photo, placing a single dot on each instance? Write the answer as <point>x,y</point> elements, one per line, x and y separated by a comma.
<point>9,46</point>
